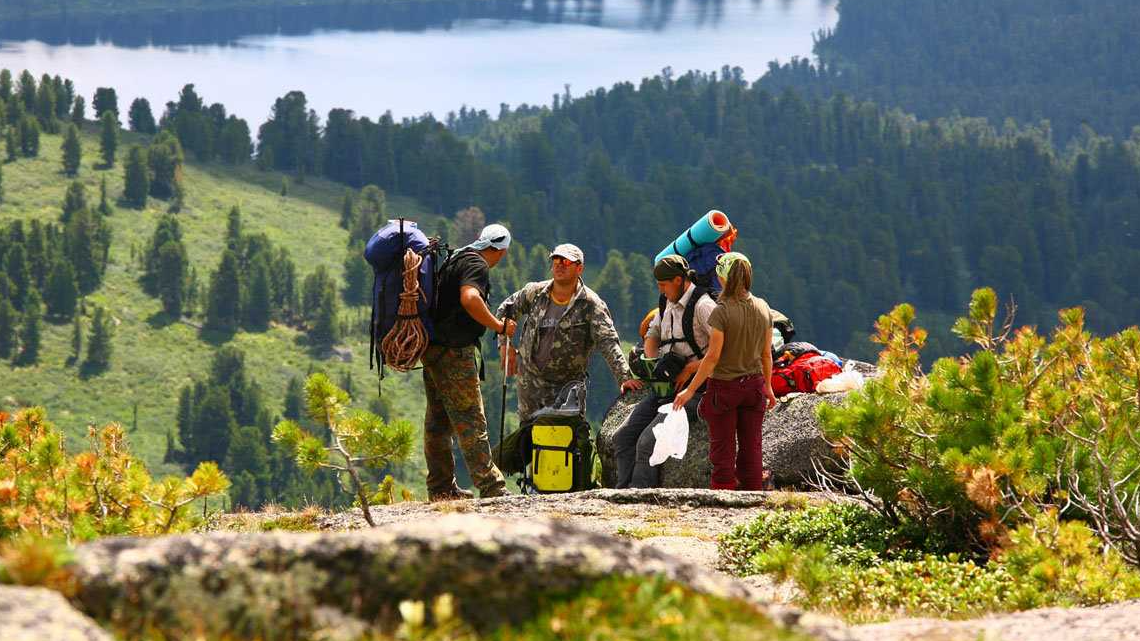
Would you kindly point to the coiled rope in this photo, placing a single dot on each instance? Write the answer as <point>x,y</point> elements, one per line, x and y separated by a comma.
<point>406,342</point>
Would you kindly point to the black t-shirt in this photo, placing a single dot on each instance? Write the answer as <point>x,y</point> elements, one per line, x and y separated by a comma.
<point>452,325</point>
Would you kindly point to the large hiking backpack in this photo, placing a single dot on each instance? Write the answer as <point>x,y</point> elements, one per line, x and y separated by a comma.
<point>802,373</point>
<point>385,253</point>
<point>556,445</point>
<point>702,260</point>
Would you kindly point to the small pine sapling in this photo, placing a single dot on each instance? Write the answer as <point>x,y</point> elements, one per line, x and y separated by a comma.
<point>357,439</point>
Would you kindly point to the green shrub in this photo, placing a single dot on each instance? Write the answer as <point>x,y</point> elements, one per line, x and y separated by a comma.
<point>989,441</point>
<point>848,560</point>
<point>850,533</point>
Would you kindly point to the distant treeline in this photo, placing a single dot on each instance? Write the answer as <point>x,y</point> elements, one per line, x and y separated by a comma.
<point>141,23</point>
<point>848,208</point>
<point>1072,63</point>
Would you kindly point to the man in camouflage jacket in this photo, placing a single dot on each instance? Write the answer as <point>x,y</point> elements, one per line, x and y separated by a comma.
<point>561,322</point>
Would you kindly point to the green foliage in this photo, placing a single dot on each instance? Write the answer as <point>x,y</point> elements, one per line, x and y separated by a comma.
<point>79,111</point>
<point>165,158</point>
<point>136,185</point>
<point>99,347</point>
<point>644,609</point>
<point>31,330</point>
<point>358,439</point>
<point>140,118</point>
<point>851,533</point>
<point>848,560</point>
<point>8,319</point>
<point>986,442</point>
<point>29,133</point>
<point>104,490</point>
<point>106,100</point>
<point>62,293</point>
<point>108,137</point>
<point>72,151</point>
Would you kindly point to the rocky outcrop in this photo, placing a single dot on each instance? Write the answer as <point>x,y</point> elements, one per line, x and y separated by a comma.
<point>1104,623</point>
<point>38,614</point>
<point>792,441</point>
<point>496,570</point>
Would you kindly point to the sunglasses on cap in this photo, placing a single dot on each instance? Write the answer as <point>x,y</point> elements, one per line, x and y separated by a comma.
<point>559,260</point>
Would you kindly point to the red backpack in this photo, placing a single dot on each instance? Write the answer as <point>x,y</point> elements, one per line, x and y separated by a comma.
<point>802,374</point>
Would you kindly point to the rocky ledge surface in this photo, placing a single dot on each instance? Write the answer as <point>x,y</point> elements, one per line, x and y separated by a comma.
<point>495,569</point>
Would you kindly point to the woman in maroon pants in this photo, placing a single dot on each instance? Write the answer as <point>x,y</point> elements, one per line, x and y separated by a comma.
<point>738,366</point>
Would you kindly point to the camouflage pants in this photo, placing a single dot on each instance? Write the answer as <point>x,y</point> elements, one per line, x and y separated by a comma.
<point>455,409</point>
<point>534,394</point>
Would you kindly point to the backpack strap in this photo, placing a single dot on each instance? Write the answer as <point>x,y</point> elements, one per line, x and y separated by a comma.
<point>687,320</point>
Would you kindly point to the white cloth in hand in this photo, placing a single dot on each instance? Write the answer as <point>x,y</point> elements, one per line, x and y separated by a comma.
<point>672,435</point>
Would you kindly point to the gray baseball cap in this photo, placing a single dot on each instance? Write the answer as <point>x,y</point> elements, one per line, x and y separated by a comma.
<point>569,252</point>
<point>494,236</point>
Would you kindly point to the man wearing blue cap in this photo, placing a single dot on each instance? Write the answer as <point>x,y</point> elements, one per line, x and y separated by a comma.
<point>451,377</point>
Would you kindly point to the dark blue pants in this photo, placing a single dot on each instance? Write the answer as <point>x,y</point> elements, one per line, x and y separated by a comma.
<point>634,442</point>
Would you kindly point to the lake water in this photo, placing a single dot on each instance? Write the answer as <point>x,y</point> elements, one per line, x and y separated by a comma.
<point>413,58</point>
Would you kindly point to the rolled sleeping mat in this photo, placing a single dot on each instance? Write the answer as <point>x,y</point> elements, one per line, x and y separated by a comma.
<point>707,230</point>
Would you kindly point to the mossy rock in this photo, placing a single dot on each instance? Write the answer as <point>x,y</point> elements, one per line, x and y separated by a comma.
<point>274,584</point>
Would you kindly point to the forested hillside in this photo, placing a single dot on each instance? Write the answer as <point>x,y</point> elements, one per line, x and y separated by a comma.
<point>182,276</point>
<point>848,207</point>
<point>1071,63</point>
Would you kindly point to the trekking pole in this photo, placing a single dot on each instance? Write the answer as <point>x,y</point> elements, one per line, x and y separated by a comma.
<point>504,356</point>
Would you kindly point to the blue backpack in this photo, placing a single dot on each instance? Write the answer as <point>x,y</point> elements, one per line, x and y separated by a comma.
<point>702,260</point>
<point>385,252</point>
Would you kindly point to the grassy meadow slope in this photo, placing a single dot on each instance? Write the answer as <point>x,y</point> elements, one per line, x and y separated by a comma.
<point>153,357</point>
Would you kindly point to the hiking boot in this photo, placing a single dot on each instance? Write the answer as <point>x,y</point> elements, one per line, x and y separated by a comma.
<point>453,494</point>
<point>493,492</point>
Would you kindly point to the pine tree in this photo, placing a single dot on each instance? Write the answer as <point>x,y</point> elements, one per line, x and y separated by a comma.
<point>171,276</point>
<point>214,426</point>
<point>294,399</point>
<point>8,318</point>
<point>248,460</point>
<point>258,302</point>
<point>45,106</point>
<point>284,186</point>
<point>31,332</point>
<point>79,111</point>
<point>326,327</point>
<point>184,418</point>
<point>20,279</point>
<point>62,294</point>
<point>76,338</point>
<point>108,138</point>
<point>29,137</point>
<point>1,184</point>
<point>140,117</point>
<point>613,286</point>
<point>72,151</point>
<point>224,308</point>
<point>136,178</point>
<point>357,277</point>
<point>233,229</point>
<point>105,208</point>
<point>348,210</point>
<point>99,342</point>
<point>165,160</point>
<point>11,144</point>
<point>74,200</point>
<point>105,101</point>
<point>88,239</point>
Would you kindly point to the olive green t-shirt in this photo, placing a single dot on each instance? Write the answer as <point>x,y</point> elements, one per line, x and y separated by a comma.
<point>744,323</point>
